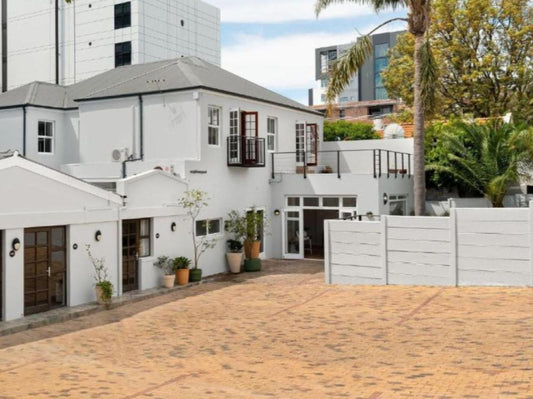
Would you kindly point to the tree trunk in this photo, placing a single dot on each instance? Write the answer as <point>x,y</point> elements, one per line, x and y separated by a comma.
<point>419,141</point>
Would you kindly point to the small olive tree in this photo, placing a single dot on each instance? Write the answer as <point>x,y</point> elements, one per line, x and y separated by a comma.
<point>194,201</point>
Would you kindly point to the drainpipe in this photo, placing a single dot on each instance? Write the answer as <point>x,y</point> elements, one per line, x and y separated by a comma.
<point>4,45</point>
<point>57,40</point>
<point>24,130</point>
<point>141,139</point>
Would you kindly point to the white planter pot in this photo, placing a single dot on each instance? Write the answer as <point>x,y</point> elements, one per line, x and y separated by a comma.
<point>234,261</point>
<point>168,280</point>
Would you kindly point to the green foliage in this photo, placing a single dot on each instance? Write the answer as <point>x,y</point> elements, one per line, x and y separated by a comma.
<point>255,222</point>
<point>236,224</point>
<point>107,290</point>
<point>235,246</point>
<point>166,264</point>
<point>181,262</point>
<point>483,50</point>
<point>487,158</point>
<point>342,130</point>
<point>193,202</point>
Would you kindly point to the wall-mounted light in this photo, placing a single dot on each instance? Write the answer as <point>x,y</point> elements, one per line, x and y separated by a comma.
<point>157,235</point>
<point>277,212</point>
<point>98,236</point>
<point>15,244</point>
<point>385,198</point>
<point>173,226</point>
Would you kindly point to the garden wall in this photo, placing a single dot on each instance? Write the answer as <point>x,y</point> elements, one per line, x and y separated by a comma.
<point>471,247</point>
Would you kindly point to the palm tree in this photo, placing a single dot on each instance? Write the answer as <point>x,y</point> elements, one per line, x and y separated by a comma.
<point>418,20</point>
<point>488,158</point>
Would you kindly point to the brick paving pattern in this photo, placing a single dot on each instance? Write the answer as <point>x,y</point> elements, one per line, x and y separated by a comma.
<point>282,333</point>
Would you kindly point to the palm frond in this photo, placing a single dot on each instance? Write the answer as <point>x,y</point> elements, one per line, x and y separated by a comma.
<point>378,5</point>
<point>429,75</point>
<point>347,66</point>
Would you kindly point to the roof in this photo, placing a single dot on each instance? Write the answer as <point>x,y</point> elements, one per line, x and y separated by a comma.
<point>186,73</point>
<point>11,159</point>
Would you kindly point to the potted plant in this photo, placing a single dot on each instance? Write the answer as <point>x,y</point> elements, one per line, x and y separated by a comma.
<point>193,202</point>
<point>103,287</point>
<point>234,256</point>
<point>167,266</point>
<point>181,265</point>
<point>236,224</point>
<point>255,223</point>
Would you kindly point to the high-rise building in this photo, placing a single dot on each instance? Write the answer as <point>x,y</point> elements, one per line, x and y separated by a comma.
<point>366,85</point>
<point>56,42</point>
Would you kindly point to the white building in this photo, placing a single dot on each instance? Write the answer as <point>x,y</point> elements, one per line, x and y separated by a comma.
<point>88,37</point>
<point>200,127</point>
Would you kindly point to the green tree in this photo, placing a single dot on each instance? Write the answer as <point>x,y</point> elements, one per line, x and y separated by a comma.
<point>418,20</point>
<point>484,53</point>
<point>342,130</point>
<point>487,158</point>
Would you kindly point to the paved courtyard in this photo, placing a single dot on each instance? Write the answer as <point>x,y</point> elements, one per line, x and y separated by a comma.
<point>282,333</point>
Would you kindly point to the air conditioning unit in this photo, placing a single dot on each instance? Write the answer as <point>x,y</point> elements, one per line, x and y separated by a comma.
<point>120,155</point>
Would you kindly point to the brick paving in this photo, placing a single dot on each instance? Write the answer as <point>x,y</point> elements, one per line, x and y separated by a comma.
<point>282,333</point>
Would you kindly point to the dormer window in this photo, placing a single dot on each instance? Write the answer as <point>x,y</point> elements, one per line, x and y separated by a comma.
<point>45,137</point>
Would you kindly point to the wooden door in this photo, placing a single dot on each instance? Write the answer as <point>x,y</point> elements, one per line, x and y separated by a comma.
<point>130,255</point>
<point>249,132</point>
<point>44,269</point>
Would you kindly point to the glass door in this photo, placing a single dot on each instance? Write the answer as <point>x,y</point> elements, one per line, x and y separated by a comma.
<point>293,234</point>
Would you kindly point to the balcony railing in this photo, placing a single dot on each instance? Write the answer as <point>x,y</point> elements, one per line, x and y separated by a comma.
<point>375,162</point>
<point>248,152</point>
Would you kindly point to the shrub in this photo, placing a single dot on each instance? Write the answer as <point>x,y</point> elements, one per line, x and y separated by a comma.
<point>342,130</point>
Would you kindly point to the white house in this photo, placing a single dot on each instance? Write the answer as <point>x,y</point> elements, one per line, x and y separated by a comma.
<point>56,42</point>
<point>197,126</point>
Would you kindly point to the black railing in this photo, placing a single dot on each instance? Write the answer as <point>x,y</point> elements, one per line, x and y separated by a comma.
<point>248,152</point>
<point>375,162</point>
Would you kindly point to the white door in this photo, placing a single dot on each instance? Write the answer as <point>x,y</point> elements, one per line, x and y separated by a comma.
<point>292,236</point>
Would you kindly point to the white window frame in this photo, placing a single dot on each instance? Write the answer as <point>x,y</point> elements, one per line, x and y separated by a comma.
<point>395,199</point>
<point>273,134</point>
<point>207,233</point>
<point>51,138</point>
<point>217,127</point>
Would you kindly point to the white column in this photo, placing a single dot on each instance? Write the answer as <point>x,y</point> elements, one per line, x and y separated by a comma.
<point>327,250</point>
<point>384,250</point>
<point>13,280</point>
<point>454,264</point>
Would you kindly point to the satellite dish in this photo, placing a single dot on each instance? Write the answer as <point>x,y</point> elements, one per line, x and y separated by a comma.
<point>394,131</point>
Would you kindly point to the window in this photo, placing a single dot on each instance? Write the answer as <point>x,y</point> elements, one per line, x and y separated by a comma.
<point>122,54</point>
<point>324,82</point>
<point>300,142</point>
<point>332,202</point>
<point>122,15</point>
<point>208,227</point>
<point>349,202</point>
<point>342,113</point>
<point>311,201</point>
<point>144,237</point>
<point>398,205</point>
<point>213,126</point>
<point>293,201</point>
<point>380,63</point>
<point>272,127</point>
<point>45,137</point>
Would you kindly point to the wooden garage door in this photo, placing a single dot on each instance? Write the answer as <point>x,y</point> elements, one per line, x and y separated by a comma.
<point>44,269</point>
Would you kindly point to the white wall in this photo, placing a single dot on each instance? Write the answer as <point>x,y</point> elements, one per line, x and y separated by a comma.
<point>471,247</point>
<point>11,129</point>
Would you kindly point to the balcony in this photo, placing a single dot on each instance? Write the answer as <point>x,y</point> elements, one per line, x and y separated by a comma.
<point>246,152</point>
<point>374,162</point>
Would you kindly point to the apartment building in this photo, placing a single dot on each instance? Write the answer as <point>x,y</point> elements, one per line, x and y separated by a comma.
<point>63,43</point>
<point>102,162</point>
<point>365,96</point>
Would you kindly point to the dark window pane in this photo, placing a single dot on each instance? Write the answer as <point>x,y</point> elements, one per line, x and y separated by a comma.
<point>311,201</point>
<point>350,202</point>
<point>331,202</point>
<point>293,201</point>
<point>122,15</point>
<point>201,228</point>
<point>122,54</point>
<point>214,226</point>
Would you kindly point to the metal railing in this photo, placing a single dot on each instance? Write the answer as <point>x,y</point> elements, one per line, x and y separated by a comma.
<point>246,151</point>
<point>375,162</point>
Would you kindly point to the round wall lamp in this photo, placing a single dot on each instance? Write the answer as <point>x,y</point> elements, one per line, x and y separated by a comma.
<point>173,226</point>
<point>75,247</point>
<point>277,212</point>
<point>15,244</point>
<point>385,198</point>
<point>157,235</point>
<point>98,236</point>
<point>12,253</point>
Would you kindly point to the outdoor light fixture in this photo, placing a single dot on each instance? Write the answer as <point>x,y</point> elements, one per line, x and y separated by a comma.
<point>277,212</point>
<point>15,244</point>
<point>98,235</point>
<point>173,226</point>
<point>385,198</point>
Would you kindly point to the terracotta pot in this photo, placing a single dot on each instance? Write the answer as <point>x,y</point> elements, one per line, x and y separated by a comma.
<point>169,280</point>
<point>100,296</point>
<point>234,261</point>
<point>183,276</point>
<point>252,249</point>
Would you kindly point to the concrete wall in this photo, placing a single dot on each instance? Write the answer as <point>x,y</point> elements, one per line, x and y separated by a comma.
<point>471,247</point>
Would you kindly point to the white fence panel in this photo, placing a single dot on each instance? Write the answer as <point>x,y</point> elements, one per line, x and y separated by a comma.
<point>471,247</point>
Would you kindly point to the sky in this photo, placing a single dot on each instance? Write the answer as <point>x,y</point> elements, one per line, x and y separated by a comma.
<point>272,42</point>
